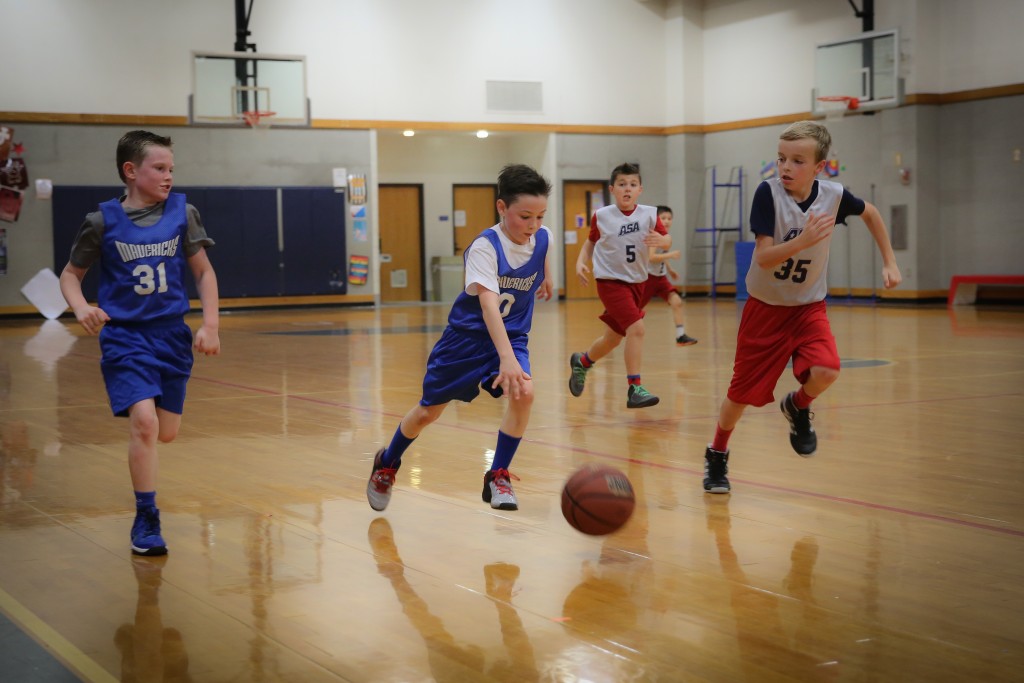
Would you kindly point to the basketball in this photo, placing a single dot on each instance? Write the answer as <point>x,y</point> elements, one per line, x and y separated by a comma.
<point>597,500</point>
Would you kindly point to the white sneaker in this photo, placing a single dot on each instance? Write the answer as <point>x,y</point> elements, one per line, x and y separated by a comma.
<point>382,480</point>
<point>498,490</point>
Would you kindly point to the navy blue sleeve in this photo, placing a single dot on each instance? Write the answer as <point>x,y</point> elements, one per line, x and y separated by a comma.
<point>849,206</point>
<point>762,211</point>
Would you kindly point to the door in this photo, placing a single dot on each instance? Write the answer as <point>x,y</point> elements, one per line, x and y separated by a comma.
<point>581,198</point>
<point>478,204</point>
<point>401,243</point>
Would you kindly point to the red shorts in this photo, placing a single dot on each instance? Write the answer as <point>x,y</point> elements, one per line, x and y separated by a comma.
<point>622,305</point>
<point>657,285</point>
<point>769,336</point>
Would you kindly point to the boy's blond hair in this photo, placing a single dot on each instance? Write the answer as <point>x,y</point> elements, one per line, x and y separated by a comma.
<point>813,130</point>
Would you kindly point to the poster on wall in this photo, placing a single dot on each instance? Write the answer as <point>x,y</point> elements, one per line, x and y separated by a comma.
<point>358,269</point>
<point>357,188</point>
<point>3,251</point>
<point>359,231</point>
<point>13,174</point>
<point>10,204</point>
<point>6,134</point>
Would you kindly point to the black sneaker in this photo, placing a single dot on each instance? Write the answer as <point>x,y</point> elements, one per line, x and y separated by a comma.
<point>685,340</point>
<point>716,466</point>
<point>801,433</point>
<point>578,376</point>
<point>638,397</point>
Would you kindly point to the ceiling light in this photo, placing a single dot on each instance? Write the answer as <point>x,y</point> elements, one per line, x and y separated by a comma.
<point>482,134</point>
<point>408,133</point>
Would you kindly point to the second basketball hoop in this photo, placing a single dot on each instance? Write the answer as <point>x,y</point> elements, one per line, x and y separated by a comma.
<point>258,119</point>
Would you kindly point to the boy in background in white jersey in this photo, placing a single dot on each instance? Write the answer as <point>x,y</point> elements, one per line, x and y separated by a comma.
<point>659,285</point>
<point>792,217</point>
<point>621,236</point>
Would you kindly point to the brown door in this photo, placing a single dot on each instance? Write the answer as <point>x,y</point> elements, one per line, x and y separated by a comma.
<point>581,198</point>
<point>478,203</point>
<point>401,242</point>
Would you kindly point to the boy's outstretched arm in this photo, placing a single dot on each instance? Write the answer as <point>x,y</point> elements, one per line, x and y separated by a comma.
<point>586,254</point>
<point>511,376</point>
<point>91,318</point>
<point>208,335</point>
<point>876,226</point>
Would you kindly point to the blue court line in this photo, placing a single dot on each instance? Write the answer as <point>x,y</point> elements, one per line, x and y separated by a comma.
<point>345,332</point>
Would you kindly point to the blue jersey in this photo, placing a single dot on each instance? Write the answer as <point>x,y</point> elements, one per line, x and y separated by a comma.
<point>517,291</point>
<point>142,269</point>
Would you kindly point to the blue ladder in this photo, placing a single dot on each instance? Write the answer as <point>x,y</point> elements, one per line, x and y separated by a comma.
<point>715,229</point>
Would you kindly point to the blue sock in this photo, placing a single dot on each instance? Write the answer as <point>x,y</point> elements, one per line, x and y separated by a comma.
<point>505,451</point>
<point>145,499</point>
<point>393,455</point>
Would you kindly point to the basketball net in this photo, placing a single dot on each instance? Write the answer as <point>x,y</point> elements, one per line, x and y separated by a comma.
<point>258,120</point>
<point>836,106</point>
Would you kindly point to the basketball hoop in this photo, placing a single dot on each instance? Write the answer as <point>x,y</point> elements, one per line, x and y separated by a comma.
<point>835,106</point>
<point>258,119</point>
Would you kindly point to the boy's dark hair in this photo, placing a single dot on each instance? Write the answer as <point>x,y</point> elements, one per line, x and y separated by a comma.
<point>626,169</point>
<point>133,145</point>
<point>517,179</point>
<point>664,209</point>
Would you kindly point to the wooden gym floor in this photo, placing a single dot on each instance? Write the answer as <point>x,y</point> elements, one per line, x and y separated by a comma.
<point>895,554</point>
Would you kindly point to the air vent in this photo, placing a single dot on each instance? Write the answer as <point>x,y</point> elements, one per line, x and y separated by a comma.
<point>515,96</point>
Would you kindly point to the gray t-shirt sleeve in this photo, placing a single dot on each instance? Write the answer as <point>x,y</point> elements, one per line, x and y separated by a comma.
<point>196,238</point>
<point>89,240</point>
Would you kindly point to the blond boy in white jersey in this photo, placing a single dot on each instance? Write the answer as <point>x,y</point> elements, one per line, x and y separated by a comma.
<point>621,236</point>
<point>792,217</point>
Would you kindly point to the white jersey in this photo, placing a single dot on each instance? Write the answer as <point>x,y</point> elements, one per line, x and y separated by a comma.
<point>482,261</point>
<point>619,249</point>
<point>658,268</point>
<point>800,279</point>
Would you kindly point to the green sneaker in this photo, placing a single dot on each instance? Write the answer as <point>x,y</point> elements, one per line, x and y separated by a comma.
<point>578,376</point>
<point>640,397</point>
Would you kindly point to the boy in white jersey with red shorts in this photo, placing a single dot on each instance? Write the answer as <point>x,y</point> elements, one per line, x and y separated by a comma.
<point>621,236</point>
<point>659,285</point>
<point>792,217</point>
<point>485,342</point>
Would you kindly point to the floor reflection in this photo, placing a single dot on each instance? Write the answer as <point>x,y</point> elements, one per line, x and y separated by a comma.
<point>450,660</point>
<point>150,652</point>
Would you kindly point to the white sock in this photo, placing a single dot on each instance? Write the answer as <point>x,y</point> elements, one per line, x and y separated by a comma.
<point>680,330</point>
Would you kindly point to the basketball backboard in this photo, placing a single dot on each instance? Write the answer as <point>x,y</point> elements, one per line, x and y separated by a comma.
<point>225,85</point>
<point>866,66</point>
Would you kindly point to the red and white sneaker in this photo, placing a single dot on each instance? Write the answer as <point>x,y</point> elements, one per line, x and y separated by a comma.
<point>382,480</point>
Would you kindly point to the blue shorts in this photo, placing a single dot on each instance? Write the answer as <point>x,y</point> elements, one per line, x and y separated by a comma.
<point>146,361</point>
<point>460,363</point>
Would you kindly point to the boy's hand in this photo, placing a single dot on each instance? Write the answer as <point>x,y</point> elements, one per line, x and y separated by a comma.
<point>91,318</point>
<point>817,228</point>
<point>207,341</point>
<point>582,271</point>
<point>891,276</point>
<point>546,290</point>
<point>657,240</point>
<point>511,378</point>
<point>671,273</point>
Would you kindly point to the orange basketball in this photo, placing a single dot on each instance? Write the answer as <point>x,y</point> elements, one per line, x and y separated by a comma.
<point>597,499</point>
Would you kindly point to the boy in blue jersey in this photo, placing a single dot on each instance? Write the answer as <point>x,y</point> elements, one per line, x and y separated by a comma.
<point>793,217</point>
<point>143,241</point>
<point>485,342</point>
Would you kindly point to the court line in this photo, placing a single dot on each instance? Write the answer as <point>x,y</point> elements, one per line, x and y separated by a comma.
<point>64,651</point>
<point>686,470</point>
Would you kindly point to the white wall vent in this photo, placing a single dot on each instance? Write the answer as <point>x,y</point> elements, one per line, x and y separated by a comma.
<point>515,96</point>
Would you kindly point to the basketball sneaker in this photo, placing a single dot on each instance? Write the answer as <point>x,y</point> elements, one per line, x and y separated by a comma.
<point>382,480</point>
<point>685,340</point>
<point>498,490</point>
<point>716,466</point>
<point>638,397</point>
<point>801,434</point>
<point>578,376</point>
<point>146,538</point>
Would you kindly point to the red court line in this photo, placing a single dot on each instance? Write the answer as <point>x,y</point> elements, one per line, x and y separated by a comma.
<point>676,468</point>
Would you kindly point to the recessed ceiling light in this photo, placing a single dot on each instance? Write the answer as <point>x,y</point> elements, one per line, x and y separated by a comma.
<point>408,133</point>
<point>482,134</point>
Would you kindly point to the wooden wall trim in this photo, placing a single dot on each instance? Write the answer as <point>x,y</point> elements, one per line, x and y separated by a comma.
<point>976,94</point>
